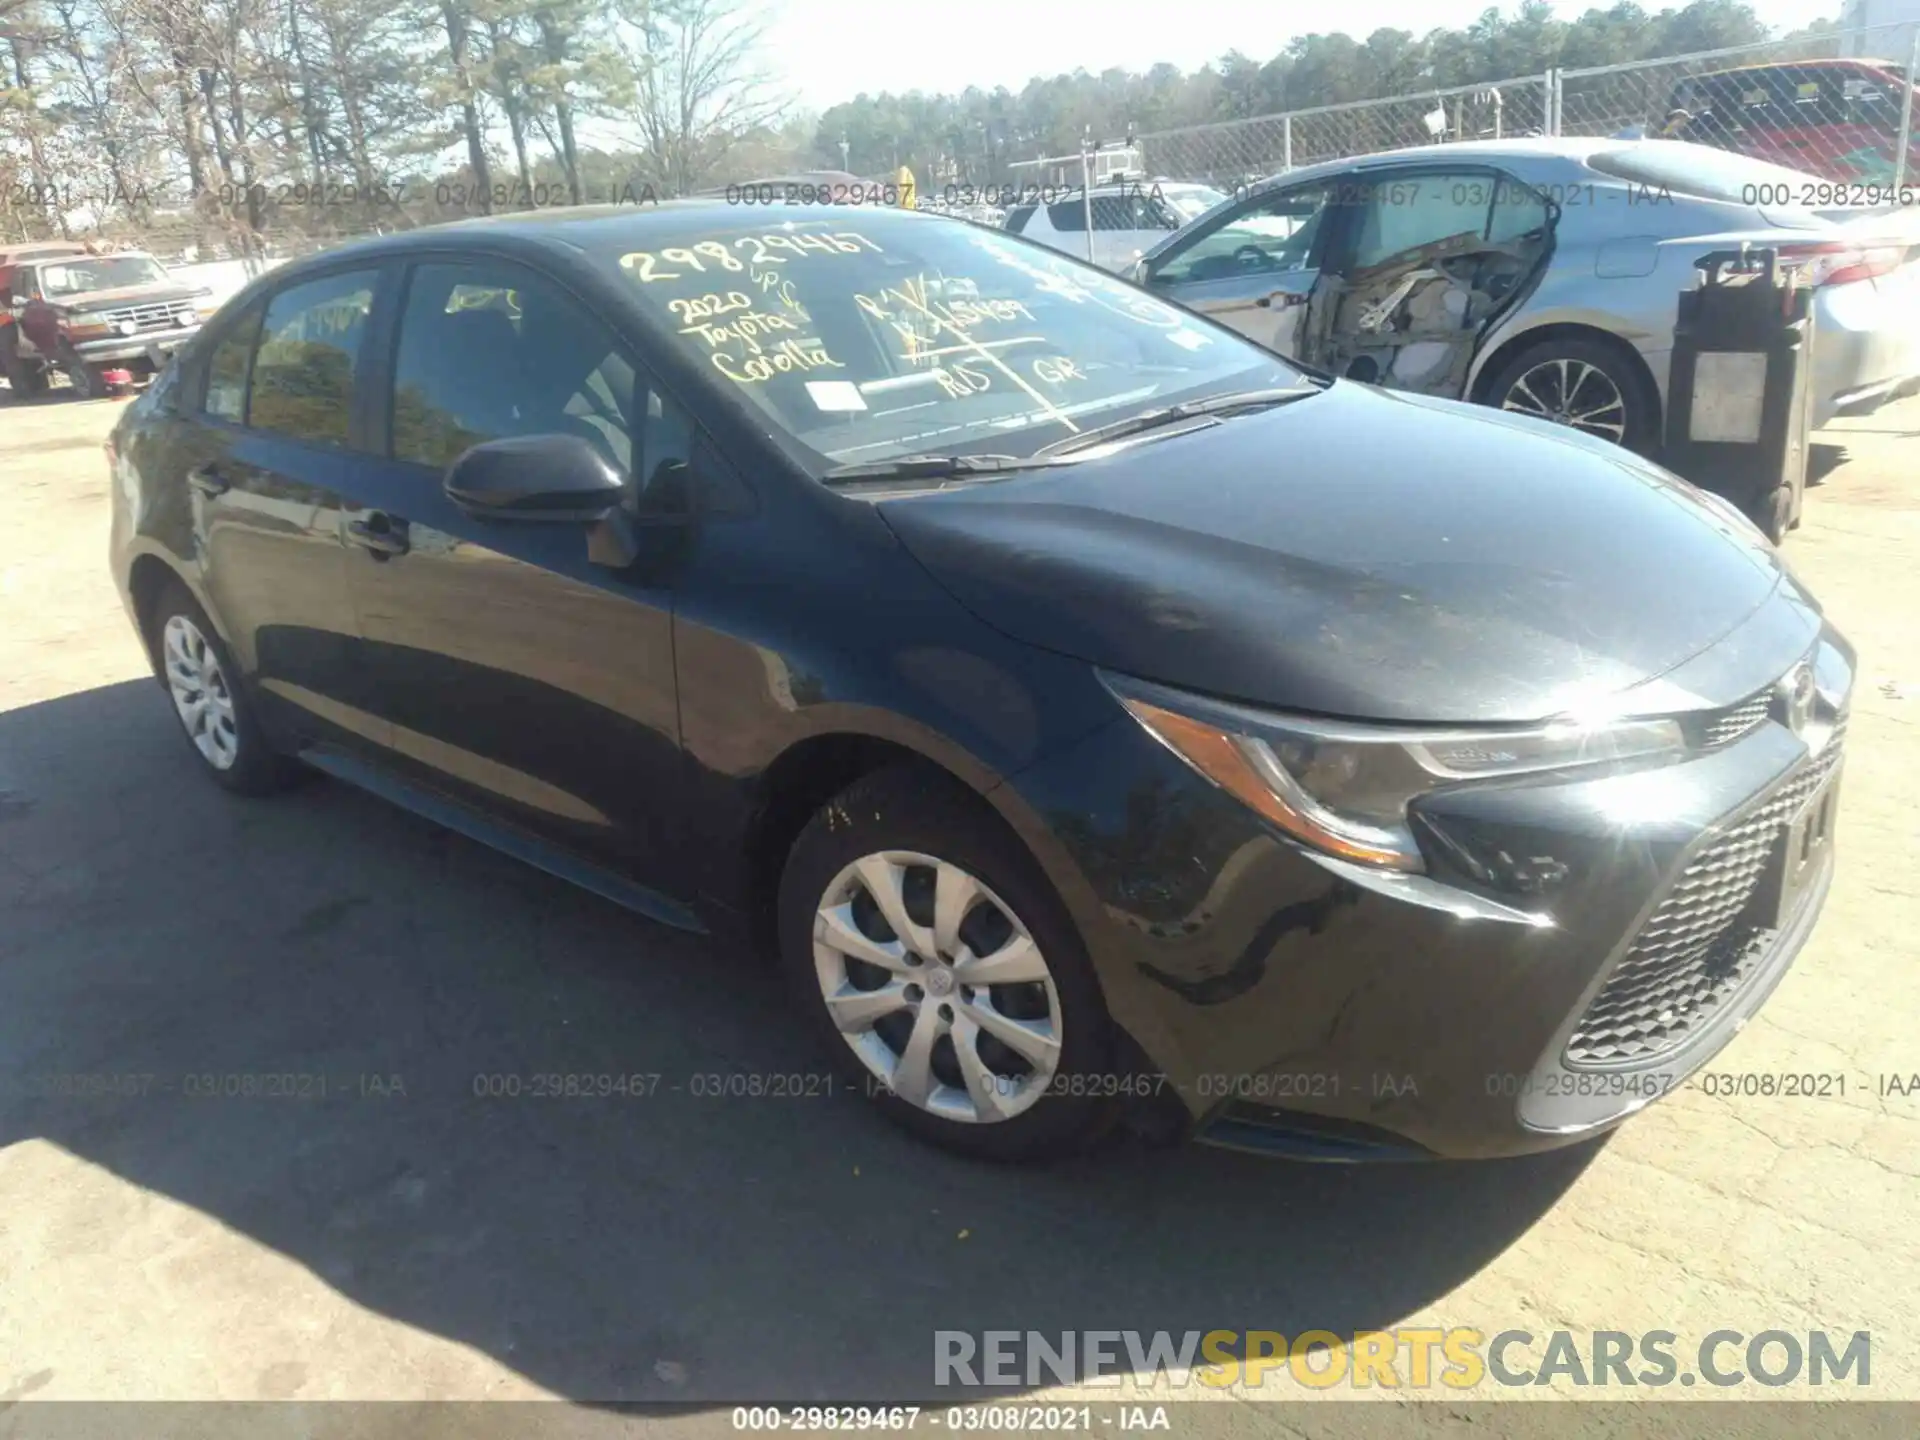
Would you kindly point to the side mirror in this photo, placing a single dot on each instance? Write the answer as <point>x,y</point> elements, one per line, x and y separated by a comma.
<point>535,478</point>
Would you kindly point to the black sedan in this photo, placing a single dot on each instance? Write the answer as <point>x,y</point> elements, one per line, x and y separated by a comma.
<point>1098,714</point>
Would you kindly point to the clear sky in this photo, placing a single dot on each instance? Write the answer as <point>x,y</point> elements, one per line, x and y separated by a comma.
<point>827,51</point>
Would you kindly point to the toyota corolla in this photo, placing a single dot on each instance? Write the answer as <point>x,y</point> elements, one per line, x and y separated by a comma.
<point>1095,713</point>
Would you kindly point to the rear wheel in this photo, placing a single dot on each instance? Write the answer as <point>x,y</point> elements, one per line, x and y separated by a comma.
<point>208,700</point>
<point>1586,385</point>
<point>942,972</point>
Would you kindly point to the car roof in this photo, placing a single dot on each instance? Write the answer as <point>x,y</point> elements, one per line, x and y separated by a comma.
<point>67,257</point>
<point>40,250</point>
<point>1879,67</point>
<point>1575,149</point>
<point>601,229</point>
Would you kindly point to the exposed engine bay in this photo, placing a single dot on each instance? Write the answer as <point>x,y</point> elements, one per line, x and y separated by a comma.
<point>1414,321</point>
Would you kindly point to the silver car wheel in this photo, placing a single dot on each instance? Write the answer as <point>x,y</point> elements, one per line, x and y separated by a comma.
<point>1571,392</point>
<point>937,987</point>
<point>200,694</point>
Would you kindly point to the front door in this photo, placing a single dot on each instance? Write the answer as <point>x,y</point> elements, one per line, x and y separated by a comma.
<point>1254,267</point>
<point>515,672</point>
<point>264,460</point>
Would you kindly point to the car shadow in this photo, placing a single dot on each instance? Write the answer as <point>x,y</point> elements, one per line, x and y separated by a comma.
<point>674,1242</point>
<point>1823,459</point>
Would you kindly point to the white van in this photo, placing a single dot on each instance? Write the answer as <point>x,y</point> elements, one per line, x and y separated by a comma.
<point>1129,218</point>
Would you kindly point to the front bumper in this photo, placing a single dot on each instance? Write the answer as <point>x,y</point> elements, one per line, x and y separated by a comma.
<point>151,345</point>
<point>1298,1004</point>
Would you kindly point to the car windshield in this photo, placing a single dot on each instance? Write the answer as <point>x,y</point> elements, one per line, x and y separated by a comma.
<point>85,273</point>
<point>867,336</point>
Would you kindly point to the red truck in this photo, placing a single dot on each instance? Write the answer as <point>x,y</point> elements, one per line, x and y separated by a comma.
<point>1837,119</point>
<point>104,319</point>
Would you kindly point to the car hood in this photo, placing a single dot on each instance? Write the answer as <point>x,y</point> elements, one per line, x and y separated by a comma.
<point>1364,554</point>
<point>123,295</point>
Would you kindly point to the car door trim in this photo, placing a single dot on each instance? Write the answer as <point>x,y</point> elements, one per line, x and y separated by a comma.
<point>503,836</point>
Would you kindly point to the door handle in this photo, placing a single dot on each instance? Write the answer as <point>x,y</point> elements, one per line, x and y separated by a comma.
<point>1280,300</point>
<point>207,481</point>
<point>380,534</point>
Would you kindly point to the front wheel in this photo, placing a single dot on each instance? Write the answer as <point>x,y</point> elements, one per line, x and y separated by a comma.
<point>942,972</point>
<point>1583,384</point>
<point>86,381</point>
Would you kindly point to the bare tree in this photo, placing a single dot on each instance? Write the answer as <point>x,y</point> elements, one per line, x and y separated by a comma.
<point>700,86</point>
<point>459,22</point>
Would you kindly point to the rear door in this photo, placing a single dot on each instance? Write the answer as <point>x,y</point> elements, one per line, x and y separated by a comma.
<point>514,672</point>
<point>1254,266</point>
<point>263,463</point>
<point>1401,222</point>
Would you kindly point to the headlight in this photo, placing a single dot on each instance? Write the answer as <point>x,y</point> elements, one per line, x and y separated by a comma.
<point>1344,788</point>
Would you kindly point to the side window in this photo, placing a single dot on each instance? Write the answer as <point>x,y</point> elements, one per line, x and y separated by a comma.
<point>1518,211</point>
<point>1018,217</point>
<point>1068,216</point>
<point>226,397</point>
<point>309,344</point>
<point>489,350</point>
<point>1113,212</point>
<point>1274,234</point>
<point>1402,215</point>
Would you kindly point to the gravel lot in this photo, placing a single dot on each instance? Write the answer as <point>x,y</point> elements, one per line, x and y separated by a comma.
<point>433,1245</point>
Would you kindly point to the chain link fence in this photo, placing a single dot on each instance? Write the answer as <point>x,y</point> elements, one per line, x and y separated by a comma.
<point>1240,151</point>
<point>1840,107</point>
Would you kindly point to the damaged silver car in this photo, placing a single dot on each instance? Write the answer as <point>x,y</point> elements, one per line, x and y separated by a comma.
<point>1539,276</point>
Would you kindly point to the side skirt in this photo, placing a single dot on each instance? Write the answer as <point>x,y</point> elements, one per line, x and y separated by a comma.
<point>464,819</point>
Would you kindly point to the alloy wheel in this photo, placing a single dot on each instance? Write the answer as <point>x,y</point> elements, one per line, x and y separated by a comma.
<point>1574,393</point>
<point>937,987</point>
<point>200,694</point>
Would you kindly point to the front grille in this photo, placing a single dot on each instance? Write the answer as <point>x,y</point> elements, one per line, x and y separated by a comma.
<point>161,315</point>
<point>1702,943</point>
<point>1723,727</point>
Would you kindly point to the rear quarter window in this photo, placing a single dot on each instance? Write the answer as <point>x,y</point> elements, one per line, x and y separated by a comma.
<point>1018,217</point>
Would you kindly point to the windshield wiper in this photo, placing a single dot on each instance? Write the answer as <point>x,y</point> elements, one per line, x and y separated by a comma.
<point>1212,405</point>
<point>928,467</point>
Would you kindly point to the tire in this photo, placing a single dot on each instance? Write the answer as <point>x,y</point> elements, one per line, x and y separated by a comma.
<point>25,378</point>
<point>191,660</point>
<point>86,381</point>
<point>1595,371</point>
<point>915,829</point>
<point>1775,514</point>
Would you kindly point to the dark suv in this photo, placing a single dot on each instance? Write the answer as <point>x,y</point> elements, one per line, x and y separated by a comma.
<point>1089,707</point>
